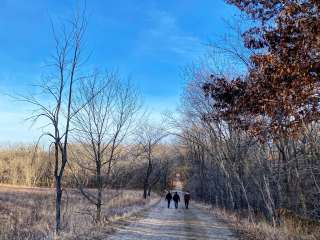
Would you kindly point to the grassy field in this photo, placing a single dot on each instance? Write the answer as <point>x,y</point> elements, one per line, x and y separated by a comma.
<point>28,213</point>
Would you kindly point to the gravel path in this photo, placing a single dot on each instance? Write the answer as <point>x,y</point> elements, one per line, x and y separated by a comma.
<point>161,223</point>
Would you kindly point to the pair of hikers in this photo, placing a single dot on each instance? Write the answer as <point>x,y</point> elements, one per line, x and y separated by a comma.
<point>176,199</point>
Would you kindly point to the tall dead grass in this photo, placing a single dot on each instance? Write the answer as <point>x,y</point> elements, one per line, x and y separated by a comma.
<point>28,213</point>
<point>260,229</point>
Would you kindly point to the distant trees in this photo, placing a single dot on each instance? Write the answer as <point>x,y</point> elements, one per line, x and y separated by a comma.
<point>26,165</point>
<point>148,138</point>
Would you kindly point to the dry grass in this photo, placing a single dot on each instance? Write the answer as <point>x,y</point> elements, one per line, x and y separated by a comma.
<point>28,213</point>
<point>261,229</point>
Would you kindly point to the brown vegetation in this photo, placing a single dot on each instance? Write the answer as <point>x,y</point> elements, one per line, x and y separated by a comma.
<point>260,228</point>
<point>25,165</point>
<point>28,213</point>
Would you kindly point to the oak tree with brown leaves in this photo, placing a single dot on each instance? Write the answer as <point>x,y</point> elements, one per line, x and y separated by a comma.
<point>280,94</point>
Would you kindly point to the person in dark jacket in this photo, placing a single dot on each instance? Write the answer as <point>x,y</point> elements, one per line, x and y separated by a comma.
<point>169,198</point>
<point>186,199</point>
<point>176,199</point>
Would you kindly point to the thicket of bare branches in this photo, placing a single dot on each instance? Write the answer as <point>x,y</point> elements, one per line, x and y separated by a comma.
<point>229,168</point>
<point>252,141</point>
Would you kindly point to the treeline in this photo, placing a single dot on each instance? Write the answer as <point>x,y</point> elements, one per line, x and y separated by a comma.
<point>230,169</point>
<point>31,165</point>
<point>252,139</point>
<point>23,165</point>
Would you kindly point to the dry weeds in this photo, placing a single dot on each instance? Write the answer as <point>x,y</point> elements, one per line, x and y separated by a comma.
<point>260,229</point>
<point>28,213</point>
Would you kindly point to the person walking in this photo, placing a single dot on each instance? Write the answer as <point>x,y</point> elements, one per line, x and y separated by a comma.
<point>186,199</point>
<point>169,198</point>
<point>176,199</point>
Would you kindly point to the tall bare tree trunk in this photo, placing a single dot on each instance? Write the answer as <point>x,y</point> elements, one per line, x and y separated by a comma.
<point>99,196</point>
<point>146,181</point>
<point>58,203</point>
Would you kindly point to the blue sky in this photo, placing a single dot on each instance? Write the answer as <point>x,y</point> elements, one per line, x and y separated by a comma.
<point>150,41</point>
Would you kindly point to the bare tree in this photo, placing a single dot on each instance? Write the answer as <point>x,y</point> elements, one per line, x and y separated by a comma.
<point>55,104</point>
<point>102,125</point>
<point>148,138</point>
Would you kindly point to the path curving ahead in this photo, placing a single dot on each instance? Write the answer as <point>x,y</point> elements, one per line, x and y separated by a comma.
<point>161,223</point>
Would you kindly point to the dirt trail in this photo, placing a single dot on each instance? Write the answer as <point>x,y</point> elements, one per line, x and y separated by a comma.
<point>162,223</point>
